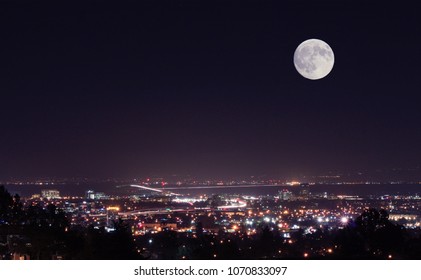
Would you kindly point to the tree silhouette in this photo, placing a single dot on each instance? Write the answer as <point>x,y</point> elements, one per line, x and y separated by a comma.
<point>199,229</point>
<point>371,235</point>
<point>6,205</point>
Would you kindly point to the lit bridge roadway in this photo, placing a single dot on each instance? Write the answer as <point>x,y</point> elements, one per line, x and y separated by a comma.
<point>145,212</point>
<point>239,204</point>
<point>148,189</point>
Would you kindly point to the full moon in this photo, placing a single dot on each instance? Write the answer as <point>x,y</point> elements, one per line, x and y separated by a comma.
<point>314,59</point>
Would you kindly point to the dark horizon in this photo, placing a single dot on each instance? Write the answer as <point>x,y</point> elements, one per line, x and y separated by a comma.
<point>378,176</point>
<point>209,88</point>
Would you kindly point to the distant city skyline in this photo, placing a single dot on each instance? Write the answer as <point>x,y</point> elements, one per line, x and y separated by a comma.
<point>412,174</point>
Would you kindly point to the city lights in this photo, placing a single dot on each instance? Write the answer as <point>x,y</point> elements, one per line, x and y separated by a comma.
<point>228,219</point>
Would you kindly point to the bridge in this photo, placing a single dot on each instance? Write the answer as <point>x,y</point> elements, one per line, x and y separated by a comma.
<point>237,205</point>
<point>148,188</point>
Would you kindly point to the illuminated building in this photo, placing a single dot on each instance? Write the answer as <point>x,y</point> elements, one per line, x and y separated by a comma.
<point>50,194</point>
<point>304,191</point>
<point>89,194</point>
<point>35,196</point>
<point>285,195</point>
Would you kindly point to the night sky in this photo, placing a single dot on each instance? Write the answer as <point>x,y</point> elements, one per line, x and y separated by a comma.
<point>206,88</point>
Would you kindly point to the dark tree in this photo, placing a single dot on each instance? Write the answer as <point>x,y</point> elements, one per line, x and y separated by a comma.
<point>371,235</point>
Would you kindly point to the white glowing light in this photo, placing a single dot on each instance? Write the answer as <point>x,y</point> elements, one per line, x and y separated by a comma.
<point>314,59</point>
